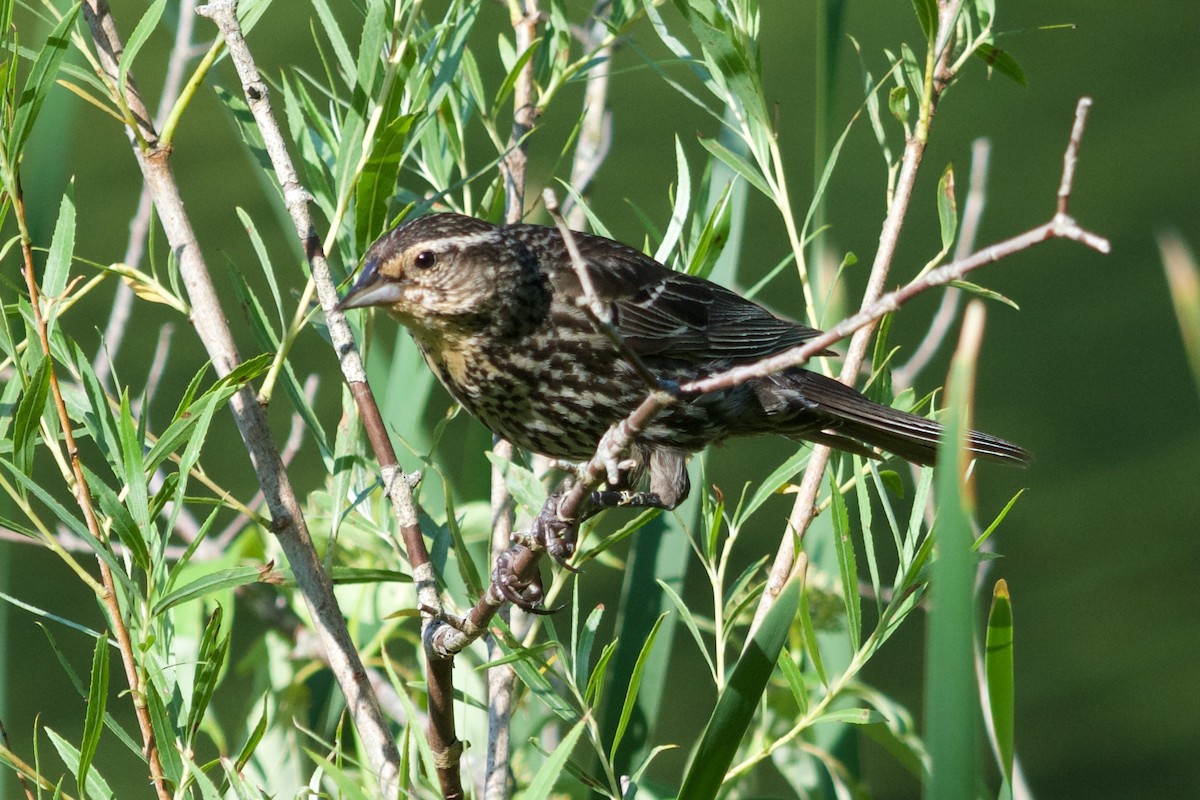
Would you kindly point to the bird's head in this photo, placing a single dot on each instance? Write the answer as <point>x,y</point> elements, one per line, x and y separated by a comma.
<point>439,271</point>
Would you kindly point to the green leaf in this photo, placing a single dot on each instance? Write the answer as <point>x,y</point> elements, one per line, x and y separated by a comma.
<point>163,723</point>
<point>93,722</point>
<point>329,25</point>
<point>551,772</point>
<point>521,483</point>
<point>28,417</point>
<point>983,537</point>
<point>927,16</point>
<point>377,184</point>
<point>141,33</point>
<point>1001,61</point>
<point>256,735</point>
<point>631,689</point>
<point>847,564</point>
<point>738,164</point>
<point>97,787</point>
<point>777,480</point>
<point>533,671</point>
<point>122,523</point>
<point>37,84</point>
<point>737,703</point>
<point>898,103</point>
<point>689,620</point>
<point>137,498</point>
<point>62,249</point>
<point>984,292</point>
<point>584,636</point>
<point>951,712</point>
<point>947,208</point>
<point>998,662</point>
<point>210,584</point>
<point>210,660</point>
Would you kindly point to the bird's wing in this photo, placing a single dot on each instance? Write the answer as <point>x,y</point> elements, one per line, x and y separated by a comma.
<point>662,312</point>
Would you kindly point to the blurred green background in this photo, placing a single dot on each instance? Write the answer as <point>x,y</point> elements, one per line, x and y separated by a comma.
<point>1101,554</point>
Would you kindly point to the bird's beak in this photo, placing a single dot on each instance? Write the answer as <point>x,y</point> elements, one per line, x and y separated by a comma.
<point>372,289</point>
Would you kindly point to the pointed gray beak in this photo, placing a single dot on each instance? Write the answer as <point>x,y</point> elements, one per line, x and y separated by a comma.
<point>371,289</point>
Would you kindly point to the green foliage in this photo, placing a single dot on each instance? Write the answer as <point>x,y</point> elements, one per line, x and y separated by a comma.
<point>409,109</point>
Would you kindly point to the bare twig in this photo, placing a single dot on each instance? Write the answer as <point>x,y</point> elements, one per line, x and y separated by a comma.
<point>595,131</point>
<point>287,516</point>
<point>139,226</point>
<point>905,375</point>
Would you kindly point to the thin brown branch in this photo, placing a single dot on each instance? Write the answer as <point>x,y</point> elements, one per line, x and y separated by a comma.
<point>904,376</point>
<point>83,498</point>
<point>210,322</point>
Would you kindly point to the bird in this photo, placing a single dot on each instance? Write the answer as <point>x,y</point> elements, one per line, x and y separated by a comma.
<point>496,312</point>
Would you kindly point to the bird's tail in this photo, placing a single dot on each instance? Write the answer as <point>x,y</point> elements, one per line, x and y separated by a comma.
<point>853,420</point>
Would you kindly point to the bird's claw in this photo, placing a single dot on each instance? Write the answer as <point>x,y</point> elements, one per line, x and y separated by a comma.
<point>557,536</point>
<point>523,591</point>
<point>613,498</point>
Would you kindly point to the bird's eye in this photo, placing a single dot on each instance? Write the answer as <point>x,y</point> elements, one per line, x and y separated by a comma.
<point>425,259</point>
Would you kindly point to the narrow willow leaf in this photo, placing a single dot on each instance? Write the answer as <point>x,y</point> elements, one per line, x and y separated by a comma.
<point>592,692</point>
<point>210,660</point>
<point>210,584</point>
<point>983,291</point>
<point>533,671</point>
<point>122,522</point>
<point>547,778</point>
<point>679,209</point>
<point>770,485</point>
<point>586,638</point>
<point>1001,61</point>
<point>255,737</point>
<point>631,689</point>
<point>983,537</point>
<point>97,787</point>
<point>689,620</point>
<point>795,681</point>
<point>141,33</point>
<point>737,703</point>
<point>62,249</point>
<point>163,722</point>
<point>377,183</point>
<point>947,208</point>
<point>40,79</point>
<point>998,660</point>
<point>137,496</point>
<point>521,483</point>
<point>28,416</point>
<point>93,722</point>
<point>952,705</point>
<point>927,16</point>
<point>738,164</point>
<point>847,564</point>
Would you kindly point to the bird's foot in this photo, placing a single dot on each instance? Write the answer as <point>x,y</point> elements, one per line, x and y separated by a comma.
<point>614,498</point>
<point>524,591</point>
<point>558,535</point>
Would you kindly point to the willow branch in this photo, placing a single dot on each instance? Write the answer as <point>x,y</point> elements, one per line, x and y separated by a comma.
<point>208,317</point>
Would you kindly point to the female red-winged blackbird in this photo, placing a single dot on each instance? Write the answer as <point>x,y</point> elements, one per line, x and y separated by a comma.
<point>495,310</point>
